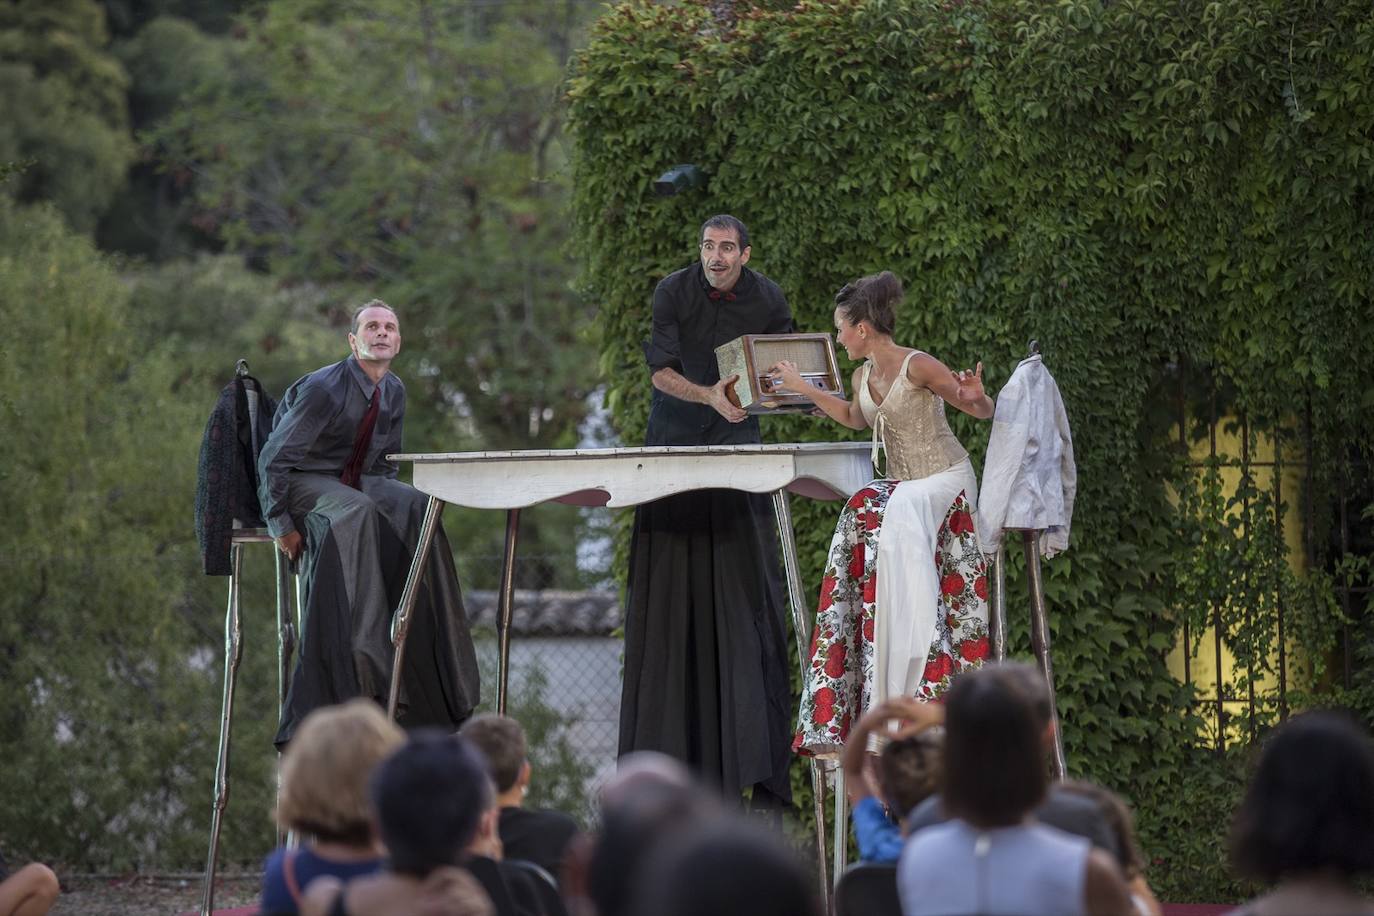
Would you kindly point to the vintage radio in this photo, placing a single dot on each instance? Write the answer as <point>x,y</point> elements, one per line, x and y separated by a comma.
<point>751,356</point>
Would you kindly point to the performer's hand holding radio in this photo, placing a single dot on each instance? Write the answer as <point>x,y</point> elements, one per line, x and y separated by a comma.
<point>720,400</point>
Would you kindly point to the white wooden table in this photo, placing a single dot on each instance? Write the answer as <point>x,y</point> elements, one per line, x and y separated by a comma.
<point>621,477</point>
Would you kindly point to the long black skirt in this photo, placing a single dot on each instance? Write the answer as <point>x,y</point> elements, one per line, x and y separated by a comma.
<point>706,640</point>
<point>357,553</point>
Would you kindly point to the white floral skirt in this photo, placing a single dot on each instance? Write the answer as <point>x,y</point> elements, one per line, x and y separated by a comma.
<point>903,604</point>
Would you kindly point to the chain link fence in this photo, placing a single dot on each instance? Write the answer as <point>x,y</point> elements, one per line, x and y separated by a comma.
<point>564,686</point>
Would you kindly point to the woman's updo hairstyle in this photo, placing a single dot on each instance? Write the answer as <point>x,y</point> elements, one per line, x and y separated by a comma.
<point>873,299</point>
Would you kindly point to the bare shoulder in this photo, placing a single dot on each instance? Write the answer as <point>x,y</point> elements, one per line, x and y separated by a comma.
<point>923,368</point>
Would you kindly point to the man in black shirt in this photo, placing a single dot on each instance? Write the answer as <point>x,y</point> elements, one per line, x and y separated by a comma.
<point>332,502</point>
<point>705,638</point>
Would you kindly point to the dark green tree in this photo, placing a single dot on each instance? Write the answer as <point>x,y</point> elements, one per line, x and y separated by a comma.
<point>106,625</point>
<point>63,104</point>
<point>414,152</point>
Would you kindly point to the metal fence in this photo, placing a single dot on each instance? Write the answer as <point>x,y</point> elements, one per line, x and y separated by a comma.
<point>565,675</point>
<point>1329,528</point>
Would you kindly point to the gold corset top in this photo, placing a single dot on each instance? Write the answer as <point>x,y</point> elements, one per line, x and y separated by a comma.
<point>911,424</point>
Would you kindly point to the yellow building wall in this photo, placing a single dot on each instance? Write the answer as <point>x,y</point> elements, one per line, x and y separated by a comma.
<point>1199,666</point>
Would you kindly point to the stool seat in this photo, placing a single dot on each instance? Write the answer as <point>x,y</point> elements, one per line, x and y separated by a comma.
<point>250,535</point>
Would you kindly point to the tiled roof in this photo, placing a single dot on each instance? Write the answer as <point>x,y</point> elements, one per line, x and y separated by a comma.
<point>549,612</point>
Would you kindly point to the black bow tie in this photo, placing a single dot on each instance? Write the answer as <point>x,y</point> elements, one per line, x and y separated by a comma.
<point>728,296</point>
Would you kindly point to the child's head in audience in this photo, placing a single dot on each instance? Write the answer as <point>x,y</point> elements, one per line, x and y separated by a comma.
<point>502,741</point>
<point>429,797</point>
<point>909,770</point>
<point>325,769</point>
<point>995,768</point>
<point>1309,808</point>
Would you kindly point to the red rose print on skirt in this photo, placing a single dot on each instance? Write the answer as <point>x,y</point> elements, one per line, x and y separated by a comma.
<point>939,669</point>
<point>839,684</point>
<point>857,500</point>
<point>974,650</point>
<point>834,660</point>
<point>856,561</point>
<point>960,523</point>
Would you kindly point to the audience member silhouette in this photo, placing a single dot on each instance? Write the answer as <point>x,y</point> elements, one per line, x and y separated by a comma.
<point>515,888</point>
<point>1306,824</point>
<point>726,867</point>
<point>993,856</point>
<point>650,799</point>
<point>1122,822</point>
<point>589,883</point>
<point>324,775</point>
<point>428,799</point>
<point>908,770</point>
<point>1060,809</point>
<point>534,835</point>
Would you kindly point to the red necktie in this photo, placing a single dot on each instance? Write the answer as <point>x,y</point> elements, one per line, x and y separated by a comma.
<point>353,471</point>
<point>728,296</point>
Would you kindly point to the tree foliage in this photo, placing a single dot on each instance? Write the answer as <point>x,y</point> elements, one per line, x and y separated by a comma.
<point>1170,197</point>
<point>412,151</point>
<point>110,636</point>
<point>106,719</point>
<point>64,106</point>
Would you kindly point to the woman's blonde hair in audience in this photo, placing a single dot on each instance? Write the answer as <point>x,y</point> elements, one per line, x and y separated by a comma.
<point>326,767</point>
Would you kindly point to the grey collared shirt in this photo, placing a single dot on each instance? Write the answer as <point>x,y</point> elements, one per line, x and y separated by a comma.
<point>317,421</point>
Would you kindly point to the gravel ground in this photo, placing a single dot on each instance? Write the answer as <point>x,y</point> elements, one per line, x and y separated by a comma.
<point>142,895</point>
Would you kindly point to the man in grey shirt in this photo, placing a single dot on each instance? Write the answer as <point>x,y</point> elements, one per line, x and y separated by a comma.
<point>334,505</point>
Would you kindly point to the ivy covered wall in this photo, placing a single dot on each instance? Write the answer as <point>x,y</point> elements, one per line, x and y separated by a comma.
<point>1173,197</point>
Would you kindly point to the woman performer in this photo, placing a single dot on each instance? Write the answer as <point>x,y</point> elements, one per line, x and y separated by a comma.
<point>907,631</point>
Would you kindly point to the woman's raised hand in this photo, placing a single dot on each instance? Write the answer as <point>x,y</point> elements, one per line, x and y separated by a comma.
<point>970,384</point>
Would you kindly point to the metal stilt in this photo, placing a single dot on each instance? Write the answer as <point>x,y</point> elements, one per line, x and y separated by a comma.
<point>997,619</point>
<point>1040,637</point>
<point>233,654</point>
<point>801,629</point>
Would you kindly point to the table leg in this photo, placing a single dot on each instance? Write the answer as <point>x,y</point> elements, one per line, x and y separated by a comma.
<point>507,602</point>
<point>801,628</point>
<point>1040,638</point>
<point>400,621</point>
<point>997,619</point>
<point>233,654</point>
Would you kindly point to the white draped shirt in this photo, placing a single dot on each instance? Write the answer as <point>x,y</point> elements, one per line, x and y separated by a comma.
<point>1029,479</point>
